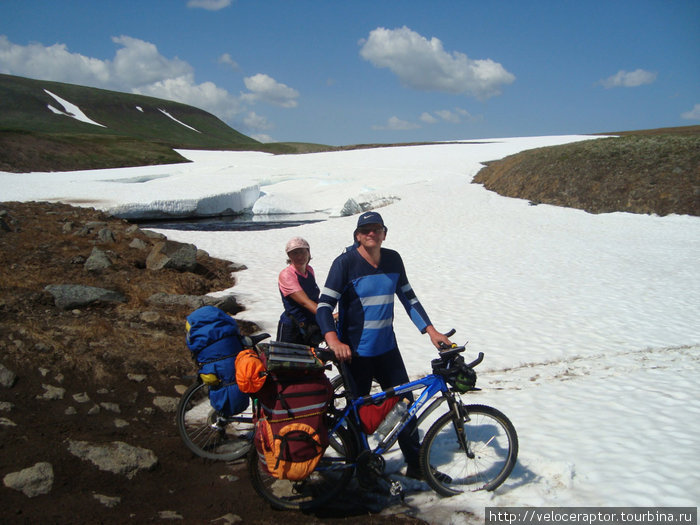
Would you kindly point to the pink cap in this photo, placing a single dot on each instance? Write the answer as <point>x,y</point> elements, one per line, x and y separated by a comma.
<point>296,242</point>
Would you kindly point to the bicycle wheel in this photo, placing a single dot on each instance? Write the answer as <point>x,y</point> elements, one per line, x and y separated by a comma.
<point>339,401</point>
<point>333,473</point>
<point>492,448</point>
<point>206,433</point>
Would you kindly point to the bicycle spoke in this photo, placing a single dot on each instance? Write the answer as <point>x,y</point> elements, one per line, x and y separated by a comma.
<point>205,433</point>
<point>488,460</point>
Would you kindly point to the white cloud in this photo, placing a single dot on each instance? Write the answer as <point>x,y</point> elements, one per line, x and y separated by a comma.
<point>453,116</point>
<point>428,118</point>
<point>209,5</point>
<point>138,67</point>
<point>693,114</point>
<point>262,137</point>
<point>425,65</point>
<point>138,63</point>
<point>53,63</point>
<point>623,78</point>
<point>265,88</point>
<point>205,96</point>
<point>449,116</point>
<point>396,124</point>
<point>257,122</point>
<point>227,60</point>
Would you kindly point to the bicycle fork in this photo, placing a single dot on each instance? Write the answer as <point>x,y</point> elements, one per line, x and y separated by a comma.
<point>459,414</point>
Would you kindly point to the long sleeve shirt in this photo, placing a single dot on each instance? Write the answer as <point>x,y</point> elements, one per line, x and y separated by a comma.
<point>365,299</point>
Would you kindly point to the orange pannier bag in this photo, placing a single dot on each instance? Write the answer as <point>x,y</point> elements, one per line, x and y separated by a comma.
<point>291,432</point>
<point>292,453</point>
<point>251,373</point>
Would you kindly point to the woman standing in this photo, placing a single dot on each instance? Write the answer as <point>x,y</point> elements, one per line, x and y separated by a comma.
<point>299,291</point>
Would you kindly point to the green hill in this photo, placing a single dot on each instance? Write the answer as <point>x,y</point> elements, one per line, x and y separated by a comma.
<point>647,171</point>
<point>135,130</point>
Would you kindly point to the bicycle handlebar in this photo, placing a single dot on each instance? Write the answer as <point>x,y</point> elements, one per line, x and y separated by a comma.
<point>476,361</point>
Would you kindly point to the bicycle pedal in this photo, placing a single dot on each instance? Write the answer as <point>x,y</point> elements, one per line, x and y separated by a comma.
<point>396,489</point>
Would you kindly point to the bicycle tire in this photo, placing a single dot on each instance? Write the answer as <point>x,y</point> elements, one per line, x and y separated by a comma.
<point>492,440</point>
<point>332,475</point>
<point>206,434</point>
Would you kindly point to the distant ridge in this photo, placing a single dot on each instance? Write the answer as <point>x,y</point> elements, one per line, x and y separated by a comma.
<point>42,128</point>
<point>648,171</point>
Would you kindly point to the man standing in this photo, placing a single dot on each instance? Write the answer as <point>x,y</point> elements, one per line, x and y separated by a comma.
<point>363,282</point>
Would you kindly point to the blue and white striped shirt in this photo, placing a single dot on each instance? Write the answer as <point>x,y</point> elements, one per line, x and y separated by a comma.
<point>365,299</point>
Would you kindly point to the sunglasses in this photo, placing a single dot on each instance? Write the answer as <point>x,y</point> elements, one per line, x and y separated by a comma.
<point>366,230</point>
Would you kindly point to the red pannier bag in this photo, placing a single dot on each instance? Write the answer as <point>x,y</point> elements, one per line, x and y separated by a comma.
<point>372,415</point>
<point>291,433</point>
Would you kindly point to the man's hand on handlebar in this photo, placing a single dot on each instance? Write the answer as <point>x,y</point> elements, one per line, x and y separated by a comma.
<point>439,340</point>
<point>341,350</point>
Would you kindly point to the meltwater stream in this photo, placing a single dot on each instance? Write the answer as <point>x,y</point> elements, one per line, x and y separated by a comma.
<point>248,222</point>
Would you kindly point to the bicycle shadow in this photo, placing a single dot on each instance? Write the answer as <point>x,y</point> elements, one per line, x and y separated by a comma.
<point>519,477</point>
<point>356,500</point>
<point>359,501</point>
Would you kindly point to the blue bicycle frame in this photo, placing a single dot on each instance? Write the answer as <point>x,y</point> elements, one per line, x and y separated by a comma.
<point>431,384</point>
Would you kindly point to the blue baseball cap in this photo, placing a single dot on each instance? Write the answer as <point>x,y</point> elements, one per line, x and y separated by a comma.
<point>369,217</point>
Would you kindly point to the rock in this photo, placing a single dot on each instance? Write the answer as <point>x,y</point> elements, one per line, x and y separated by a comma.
<point>82,397</point>
<point>154,235</point>
<point>171,254</point>
<point>69,296</point>
<point>6,406</point>
<point>32,481</point>
<point>7,377</point>
<point>52,393</point>
<point>108,501</point>
<point>138,244</point>
<point>229,477</point>
<point>97,261</point>
<point>227,519</point>
<point>116,457</point>
<point>150,317</point>
<point>169,515</point>
<point>166,403</point>
<point>227,303</point>
<point>95,225</point>
<point>112,407</point>
<point>237,267</point>
<point>7,422</point>
<point>105,235</point>
<point>139,378</point>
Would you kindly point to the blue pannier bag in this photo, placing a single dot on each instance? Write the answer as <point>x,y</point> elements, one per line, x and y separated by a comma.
<point>214,341</point>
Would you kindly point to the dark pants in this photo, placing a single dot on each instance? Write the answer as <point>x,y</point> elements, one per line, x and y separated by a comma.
<point>388,370</point>
<point>289,331</point>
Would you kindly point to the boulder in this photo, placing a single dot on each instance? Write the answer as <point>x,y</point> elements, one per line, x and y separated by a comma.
<point>171,254</point>
<point>227,303</point>
<point>116,457</point>
<point>70,296</point>
<point>7,377</point>
<point>97,261</point>
<point>32,481</point>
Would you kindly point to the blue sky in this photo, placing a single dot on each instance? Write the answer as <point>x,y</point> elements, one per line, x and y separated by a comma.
<point>362,71</point>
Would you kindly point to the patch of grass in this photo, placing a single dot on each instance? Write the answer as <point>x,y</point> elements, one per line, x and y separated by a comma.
<point>640,172</point>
